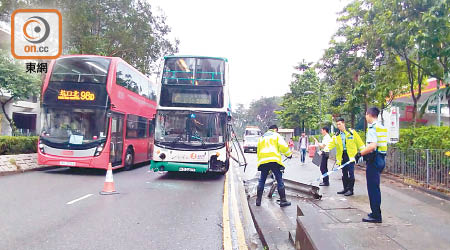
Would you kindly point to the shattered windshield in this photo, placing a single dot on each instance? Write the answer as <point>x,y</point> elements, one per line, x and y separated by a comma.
<point>190,128</point>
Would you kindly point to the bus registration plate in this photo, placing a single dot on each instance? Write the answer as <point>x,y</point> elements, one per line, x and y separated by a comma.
<point>67,163</point>
<point>187,169</point>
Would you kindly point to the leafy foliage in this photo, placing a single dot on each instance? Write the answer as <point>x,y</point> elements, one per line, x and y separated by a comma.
<point>301,104</point>
<point>15,83</point>
<point>383,48</point>
<point>128,29</point>
<point>261,113</point>
<point>18,145</point>
<point>427,137</point>
<point>240,120</point>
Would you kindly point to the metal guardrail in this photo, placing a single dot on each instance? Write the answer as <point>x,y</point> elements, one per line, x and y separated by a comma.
<point>426,167</point>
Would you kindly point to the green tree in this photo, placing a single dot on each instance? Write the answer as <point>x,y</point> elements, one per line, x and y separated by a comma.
<point>127,29</point>
<point>359,66</point>
<point>434,38</point>
<point>300,105</point>
<point>349,63</point>
<point>15,83</point>
<point>262,112</point>
<point>240,119</point>
<point>398,23</point>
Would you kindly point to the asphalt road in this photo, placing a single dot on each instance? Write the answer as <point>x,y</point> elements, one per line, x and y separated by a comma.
<point>40,210</point>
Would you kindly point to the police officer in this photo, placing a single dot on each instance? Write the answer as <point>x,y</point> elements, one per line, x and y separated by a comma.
<point>270,147</point>
<point>374,154</point>
<point>347,144</point>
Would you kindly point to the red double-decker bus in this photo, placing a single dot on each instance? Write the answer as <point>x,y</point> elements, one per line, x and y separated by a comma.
<point>96,110</point>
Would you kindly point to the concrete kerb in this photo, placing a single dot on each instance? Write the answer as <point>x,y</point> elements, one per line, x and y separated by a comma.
<point>18,171</point>
<point>250,190</point>
<point>257,226</point>
<point>295,190</point>
<point>247,216</point>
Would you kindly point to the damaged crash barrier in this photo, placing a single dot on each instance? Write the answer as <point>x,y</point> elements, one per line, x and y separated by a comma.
<point>306,191</point>
<point>332,171</point>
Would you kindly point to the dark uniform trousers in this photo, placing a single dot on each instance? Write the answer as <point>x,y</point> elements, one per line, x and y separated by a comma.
<point>324,167</point>
<point>348,172</point>
<point>276,170</point>
<point>374,168</point>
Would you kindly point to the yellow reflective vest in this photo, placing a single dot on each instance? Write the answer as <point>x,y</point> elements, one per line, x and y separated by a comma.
<point>382,136</point>
<point>270,147</point>
<point>353,143</point>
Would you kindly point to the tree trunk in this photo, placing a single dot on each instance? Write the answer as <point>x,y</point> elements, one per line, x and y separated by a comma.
<point>411,86</point>
<point>10,121</point>
<point>414,112</point>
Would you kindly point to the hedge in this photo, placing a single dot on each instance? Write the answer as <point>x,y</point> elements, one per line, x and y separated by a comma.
<point>10,145</point>
<point>427,137</point>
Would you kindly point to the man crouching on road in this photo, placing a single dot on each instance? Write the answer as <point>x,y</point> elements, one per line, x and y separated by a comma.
<point>270,147</point>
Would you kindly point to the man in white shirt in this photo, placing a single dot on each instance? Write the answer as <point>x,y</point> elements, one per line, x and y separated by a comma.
<point>325,154</point>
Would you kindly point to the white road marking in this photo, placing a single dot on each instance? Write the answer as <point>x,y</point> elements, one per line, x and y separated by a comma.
<point>79,199</point>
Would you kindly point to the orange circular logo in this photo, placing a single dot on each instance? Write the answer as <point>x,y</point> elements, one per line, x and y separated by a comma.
<point>36,29</point>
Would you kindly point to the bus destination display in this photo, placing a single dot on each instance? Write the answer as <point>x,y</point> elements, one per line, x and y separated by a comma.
<point>76,95</point>
<point>191,98</point>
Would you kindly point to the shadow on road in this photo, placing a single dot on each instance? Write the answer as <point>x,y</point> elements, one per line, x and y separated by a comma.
<point>191,176</point>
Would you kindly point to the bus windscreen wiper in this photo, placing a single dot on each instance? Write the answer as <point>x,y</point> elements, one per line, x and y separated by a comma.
<point>199,138</point>
<point>177,139</point>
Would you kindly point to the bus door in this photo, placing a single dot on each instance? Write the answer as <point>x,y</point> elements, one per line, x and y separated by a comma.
<point>116,151</point>
<point>151,135</point>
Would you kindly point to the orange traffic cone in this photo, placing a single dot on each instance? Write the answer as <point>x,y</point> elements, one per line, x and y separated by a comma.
<point>108,187</point>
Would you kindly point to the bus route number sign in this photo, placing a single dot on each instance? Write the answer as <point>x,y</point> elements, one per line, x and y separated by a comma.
<point>76,95</point>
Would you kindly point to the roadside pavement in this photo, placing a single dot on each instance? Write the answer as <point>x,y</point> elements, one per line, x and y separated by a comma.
<point>10,164</point>
<point>412,219</point>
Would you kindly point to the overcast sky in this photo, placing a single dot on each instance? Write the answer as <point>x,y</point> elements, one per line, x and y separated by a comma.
<point>262,40</point>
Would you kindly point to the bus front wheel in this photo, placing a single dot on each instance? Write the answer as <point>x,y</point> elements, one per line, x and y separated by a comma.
<point>129,159</point>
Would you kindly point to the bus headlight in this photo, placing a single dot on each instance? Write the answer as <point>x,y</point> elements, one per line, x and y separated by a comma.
<point>41,147</point>
<point>99,149</point>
